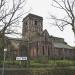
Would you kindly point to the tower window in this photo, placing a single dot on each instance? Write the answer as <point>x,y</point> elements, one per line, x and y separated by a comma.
<point>35,22</point>
<point>25,23</point>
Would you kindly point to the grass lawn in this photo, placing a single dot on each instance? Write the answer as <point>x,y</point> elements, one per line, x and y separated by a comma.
<point>51,63</point>
<point>42,63</point>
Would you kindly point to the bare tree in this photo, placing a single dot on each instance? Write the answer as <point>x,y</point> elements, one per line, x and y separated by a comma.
<point>68,6</point>
<point>10,14</point>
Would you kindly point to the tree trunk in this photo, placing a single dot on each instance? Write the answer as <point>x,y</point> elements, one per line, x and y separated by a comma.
<point>1,46</point>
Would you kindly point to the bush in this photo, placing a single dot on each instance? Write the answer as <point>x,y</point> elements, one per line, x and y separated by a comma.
<point>43,59</point>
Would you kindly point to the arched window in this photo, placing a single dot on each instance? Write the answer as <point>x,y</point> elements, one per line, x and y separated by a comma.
<point>25,23</point>
<point>35,22</point>
<point>48,51</point>
<point>43,50</point>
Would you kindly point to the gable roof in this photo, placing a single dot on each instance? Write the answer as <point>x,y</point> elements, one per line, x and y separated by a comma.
<point>45,33</point>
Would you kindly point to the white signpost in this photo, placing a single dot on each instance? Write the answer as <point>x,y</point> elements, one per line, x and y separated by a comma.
<point>21,58</point>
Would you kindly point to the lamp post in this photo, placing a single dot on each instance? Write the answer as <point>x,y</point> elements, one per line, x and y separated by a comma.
<point>4,60</point>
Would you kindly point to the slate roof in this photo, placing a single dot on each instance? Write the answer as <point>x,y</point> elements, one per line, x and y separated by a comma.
<point>62,45</point>
<point>57,39</point>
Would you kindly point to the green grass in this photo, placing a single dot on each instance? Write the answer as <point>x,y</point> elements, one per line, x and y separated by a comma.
<point>11,62</point>
<point>44,63</point>
<point>50,63</point>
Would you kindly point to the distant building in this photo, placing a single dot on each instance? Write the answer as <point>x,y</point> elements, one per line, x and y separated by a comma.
<point>37,42</point>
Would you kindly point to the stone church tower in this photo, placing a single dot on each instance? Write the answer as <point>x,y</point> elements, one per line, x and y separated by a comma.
<point>32,25</point>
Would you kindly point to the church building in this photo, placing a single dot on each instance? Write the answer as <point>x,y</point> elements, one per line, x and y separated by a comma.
<point>36,42</point>
<point>41,43</point>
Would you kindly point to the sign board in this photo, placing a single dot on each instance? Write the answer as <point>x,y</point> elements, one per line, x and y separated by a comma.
<point>21,58</point>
